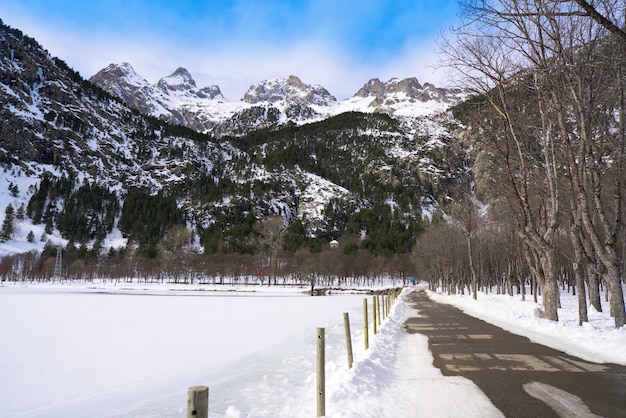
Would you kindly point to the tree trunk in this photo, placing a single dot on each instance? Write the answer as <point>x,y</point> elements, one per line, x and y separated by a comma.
<point>582,299</point>
<point>472,268</point>
<point>576,238</point>
<point>616,299</point>
<point>550,286</point>
<point>594,287</point>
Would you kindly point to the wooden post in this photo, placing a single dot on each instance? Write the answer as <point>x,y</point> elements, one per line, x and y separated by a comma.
<point>346,325</point>
<point>388,298</point>
<point>374,310</point>
<point>386,306</point>
<point>384,298</point>
<point>198,402</point>
<point>378,309</point>
<point>365,325</point>
<point>321,374</point>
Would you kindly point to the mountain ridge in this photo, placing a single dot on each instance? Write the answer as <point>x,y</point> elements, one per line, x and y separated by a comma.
<point>290,98</point>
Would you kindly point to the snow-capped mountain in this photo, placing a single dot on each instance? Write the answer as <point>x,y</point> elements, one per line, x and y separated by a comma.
<point>89,165</point>
<point>402,97</point>
<point>290,91</point>
<point>180,81</point>
<point>176,99</point>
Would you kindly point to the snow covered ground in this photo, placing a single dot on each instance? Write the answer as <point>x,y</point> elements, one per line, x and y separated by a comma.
<point>106,350</point>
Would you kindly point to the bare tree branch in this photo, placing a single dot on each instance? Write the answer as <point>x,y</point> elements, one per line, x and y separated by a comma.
<point>593,13</point>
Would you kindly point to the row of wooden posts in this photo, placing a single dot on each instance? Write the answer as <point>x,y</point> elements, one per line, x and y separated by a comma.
<point>198,396</point>
<point>381,308</point>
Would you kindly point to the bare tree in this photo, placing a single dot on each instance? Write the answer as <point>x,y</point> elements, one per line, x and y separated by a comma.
<point>586,91</point>
<point>493,51</point>
<point>544,67</point>
<point>608,13</point>
<point>271,232</point>
<point>440,257</point>
<point>175,249</point>
<point>464,215</point>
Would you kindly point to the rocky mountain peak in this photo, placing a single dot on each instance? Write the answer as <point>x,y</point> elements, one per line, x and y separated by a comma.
<point>410,86</point>
<point>181,81</point>
<point>375,88</point>
<point>406,96</point>
<point>123,70</point>
<point>290,91</point>
<point>178,80</point>
<point>120,80</point>
<point>294,81</point>
<point>210,92</point>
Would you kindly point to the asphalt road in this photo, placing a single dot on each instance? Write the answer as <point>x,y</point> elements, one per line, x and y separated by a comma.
<point>522,378</point>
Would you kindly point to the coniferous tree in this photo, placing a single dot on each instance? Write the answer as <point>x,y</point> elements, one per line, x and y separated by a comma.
<point>20,214</point>
<point>15,191</point>
<point>145,219</point>
<point>295,236</point>
<point>7,225</point>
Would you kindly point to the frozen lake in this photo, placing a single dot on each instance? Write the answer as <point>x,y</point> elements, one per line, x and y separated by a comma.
<point>133,352</point>
<point>67,351</point>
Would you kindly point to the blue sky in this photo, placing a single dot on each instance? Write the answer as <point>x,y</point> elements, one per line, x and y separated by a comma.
<point>340,44</point>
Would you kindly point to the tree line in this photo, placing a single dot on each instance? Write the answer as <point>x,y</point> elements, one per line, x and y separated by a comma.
<point>547,134</point>
<point>179,264</point>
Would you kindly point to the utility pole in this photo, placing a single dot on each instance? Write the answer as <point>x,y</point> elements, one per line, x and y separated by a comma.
<point>58,265</point>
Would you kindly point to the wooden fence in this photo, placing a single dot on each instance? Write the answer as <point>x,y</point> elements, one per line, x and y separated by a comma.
<point>198,396</point>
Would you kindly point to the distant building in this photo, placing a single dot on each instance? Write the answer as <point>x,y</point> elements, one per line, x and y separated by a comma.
<point>334,244</point>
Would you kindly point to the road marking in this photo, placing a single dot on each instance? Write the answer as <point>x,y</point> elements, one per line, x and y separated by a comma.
<point>525,362</point>
<point>563,364</point>
<point>466,362</point>
<point>564,403</point>
<point>590,367</point>
<point>429,327</point>
<point>474,337</point>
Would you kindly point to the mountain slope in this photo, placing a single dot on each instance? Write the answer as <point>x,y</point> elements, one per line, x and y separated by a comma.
<point>67,132</point>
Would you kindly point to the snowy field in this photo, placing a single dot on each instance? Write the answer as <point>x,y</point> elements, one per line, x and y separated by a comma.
<point>112,351</point>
